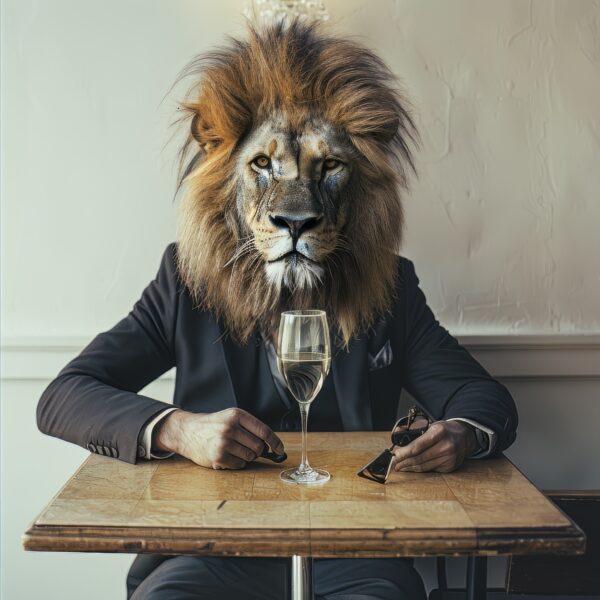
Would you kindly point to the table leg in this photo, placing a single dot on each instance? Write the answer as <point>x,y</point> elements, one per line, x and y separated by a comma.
<point>302,578</point>
<point>477,578</point>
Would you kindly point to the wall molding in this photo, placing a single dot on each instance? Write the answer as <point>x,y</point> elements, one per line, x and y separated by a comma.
<point>536,357</point>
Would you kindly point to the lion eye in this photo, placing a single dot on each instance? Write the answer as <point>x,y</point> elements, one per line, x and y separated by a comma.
<point>331,163</point>
<point>262,162</point>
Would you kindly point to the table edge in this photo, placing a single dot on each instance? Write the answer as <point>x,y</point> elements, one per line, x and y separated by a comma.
<point>323,543</point>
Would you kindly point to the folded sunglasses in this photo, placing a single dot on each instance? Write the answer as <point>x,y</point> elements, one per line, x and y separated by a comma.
<point>406,429</point>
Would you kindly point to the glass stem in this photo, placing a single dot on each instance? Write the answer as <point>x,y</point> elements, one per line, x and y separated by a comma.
<point>304,408</point>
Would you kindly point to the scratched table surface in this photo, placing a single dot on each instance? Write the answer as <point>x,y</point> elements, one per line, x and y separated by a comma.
<point>174,506</point>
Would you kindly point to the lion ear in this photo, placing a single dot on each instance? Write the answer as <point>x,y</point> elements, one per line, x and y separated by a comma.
<point>204,133</point>
<point>201,140</point>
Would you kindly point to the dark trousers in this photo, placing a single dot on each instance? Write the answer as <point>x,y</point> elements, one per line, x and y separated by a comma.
<point>200,578</point>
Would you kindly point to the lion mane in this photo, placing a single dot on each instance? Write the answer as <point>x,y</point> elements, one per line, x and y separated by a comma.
<point>296,70</point>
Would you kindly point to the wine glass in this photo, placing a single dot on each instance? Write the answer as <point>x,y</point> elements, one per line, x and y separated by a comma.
<point>304,358</point>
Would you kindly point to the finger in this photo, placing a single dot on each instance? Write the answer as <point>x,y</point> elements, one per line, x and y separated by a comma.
<point>445,447</point>
<point>260,430</point>
<point>436,451</point>
<point>249,440</point>
<point>441,463</point>
<point>432,436</point>
<point>239,450</point>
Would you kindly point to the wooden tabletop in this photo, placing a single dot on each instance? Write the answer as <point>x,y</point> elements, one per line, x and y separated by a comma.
<point>173,506</point>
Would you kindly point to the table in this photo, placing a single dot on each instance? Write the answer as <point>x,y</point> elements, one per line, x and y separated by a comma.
<point>488,507</point>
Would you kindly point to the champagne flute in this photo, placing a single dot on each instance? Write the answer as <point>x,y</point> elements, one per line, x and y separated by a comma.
<point>304,358</point>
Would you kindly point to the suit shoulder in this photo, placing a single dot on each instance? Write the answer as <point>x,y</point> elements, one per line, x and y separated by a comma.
<point>405,264</point>
<point>168,272</point>
<point>405,271</point>
<point>169,257</point>
<point>168,262</point>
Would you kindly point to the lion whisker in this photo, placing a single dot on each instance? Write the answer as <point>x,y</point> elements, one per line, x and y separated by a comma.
<point>245,248</point>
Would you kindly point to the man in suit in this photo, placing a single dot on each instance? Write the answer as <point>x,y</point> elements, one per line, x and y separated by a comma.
<point>228,406</point>
<point>212,309</point>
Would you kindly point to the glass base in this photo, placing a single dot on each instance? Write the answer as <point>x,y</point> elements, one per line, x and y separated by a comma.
<point>305,477</point>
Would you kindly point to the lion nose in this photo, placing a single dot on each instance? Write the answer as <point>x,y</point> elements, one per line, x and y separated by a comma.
<point>296,224</point>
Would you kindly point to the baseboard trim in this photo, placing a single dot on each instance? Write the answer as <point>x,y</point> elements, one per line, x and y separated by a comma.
<point>539,357</point>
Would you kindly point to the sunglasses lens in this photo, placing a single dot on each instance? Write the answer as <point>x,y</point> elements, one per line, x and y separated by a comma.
<point>402,436</point>
<point>378,468</point>
<point>419,423</point>
<point>405,431</point>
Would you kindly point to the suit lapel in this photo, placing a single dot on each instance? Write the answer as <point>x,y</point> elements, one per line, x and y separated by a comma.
<point>349,371</point>
<point>223,341</point>
<point>246,371</point>
<point>350,378</point>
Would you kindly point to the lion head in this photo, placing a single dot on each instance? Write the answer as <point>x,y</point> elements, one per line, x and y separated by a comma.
<point>298,150</point>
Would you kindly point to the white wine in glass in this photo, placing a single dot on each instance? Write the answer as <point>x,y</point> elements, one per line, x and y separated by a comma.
<point>304,358</point>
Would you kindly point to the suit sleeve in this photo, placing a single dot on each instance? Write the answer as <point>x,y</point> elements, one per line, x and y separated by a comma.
<point>441,374</point>
<point>93,402</point>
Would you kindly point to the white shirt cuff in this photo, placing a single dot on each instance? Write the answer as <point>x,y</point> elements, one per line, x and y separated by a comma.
<point>145,445</point>
<point>485,436</point>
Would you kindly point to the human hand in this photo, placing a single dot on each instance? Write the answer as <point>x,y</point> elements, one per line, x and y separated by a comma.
<point>442,448</point>
<point>228,439</point>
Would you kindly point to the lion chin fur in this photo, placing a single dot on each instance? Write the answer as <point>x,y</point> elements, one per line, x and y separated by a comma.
<point>297,70</point>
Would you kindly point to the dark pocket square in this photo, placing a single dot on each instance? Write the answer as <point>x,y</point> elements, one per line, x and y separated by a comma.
<point>383,358</point>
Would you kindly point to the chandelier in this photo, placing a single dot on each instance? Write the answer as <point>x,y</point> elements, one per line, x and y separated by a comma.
<point>285,10</point>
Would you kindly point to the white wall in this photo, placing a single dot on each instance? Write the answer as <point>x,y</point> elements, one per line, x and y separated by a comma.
<point>502,224</point>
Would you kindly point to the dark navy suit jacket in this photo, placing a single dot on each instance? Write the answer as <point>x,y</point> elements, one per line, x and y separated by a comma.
<point>94,400</point>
